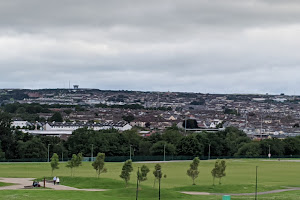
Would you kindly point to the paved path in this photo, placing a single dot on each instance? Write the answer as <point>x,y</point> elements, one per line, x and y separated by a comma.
<point>19,183</point>
<point>243,194</point>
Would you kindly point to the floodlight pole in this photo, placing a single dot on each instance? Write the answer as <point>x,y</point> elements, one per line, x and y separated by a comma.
<point>48,153</point>
<point>209,151</point>
<point>256,185</point>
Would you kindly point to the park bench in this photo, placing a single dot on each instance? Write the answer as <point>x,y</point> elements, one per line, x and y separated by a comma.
<point>28,187</point>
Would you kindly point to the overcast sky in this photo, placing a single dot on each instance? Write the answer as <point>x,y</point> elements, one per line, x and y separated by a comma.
<point>227,46</point>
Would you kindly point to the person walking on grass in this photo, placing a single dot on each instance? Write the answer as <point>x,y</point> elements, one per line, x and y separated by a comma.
<point>54,180</point>
<point>57,180</point>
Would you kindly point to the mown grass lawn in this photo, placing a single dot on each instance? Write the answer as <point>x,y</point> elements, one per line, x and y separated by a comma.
<point>240,179</point>
<point>5,184</point>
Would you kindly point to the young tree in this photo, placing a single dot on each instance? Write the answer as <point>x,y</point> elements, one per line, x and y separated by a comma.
<point>157,173</point>
<point>193,170</point>
<point>98,164</point>
<point>142,175</point>
<point>126,169</point>
<point>222,170</point>
<point>54,163</point>
<point>219,170</point>
<point>74,162</point>
<point>78,161</point>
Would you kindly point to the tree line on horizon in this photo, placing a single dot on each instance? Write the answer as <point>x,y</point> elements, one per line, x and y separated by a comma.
<point>228,143</point>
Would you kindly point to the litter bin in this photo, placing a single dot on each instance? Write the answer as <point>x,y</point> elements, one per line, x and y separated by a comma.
<point>226,197</point>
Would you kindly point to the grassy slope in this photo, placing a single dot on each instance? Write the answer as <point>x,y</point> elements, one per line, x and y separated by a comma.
<point>240,178</point>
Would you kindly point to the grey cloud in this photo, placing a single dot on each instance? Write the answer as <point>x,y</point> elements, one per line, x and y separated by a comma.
<point>194,45</point>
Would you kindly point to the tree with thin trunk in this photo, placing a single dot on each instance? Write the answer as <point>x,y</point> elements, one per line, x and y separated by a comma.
<point>219,170</point>
<point>222,170</point>
<point>76,161</point>
<point>193,171</point>
<point>99,163</point>
<point>157,173</point>
<point>54,163</point>
<point>142,175</point>
<point>126,170</point>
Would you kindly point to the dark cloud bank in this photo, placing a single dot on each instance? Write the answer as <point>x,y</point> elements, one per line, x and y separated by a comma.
<point>171,45</point>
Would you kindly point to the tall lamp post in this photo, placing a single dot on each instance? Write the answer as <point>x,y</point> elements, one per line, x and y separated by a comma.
<point>48,153</point>
<point>209,151</point>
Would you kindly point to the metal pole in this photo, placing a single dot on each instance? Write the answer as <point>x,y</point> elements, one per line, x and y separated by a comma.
<point>256,185</point>
<point>92,153</point>
<point>159,187</point>
<point>48,153</point>
<point>137,184</point>
<point>164,152</point>
<point>209,151</point>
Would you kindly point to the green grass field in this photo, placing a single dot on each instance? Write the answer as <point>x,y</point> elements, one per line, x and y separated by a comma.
<point>5,184</point>
<point>240,179</point>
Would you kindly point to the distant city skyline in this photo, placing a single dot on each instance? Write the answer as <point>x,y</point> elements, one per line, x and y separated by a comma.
<point>227,47</point>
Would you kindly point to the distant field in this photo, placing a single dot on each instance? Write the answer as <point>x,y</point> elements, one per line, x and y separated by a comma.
<point>240,179</point>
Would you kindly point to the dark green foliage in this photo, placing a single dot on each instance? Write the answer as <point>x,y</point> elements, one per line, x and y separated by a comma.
<point>56,117</point>
<point>33,148</point>
<point>158,148</point>
<point>193,171</point>
<point>249,150</point>
<point>128,118</point>
<point>189,145</point>
<point>126,170</point>
<point>6,135</point>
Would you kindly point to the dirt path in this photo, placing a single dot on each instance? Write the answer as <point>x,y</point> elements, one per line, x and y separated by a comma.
<point>243,194</point>
<point>19,183</point>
